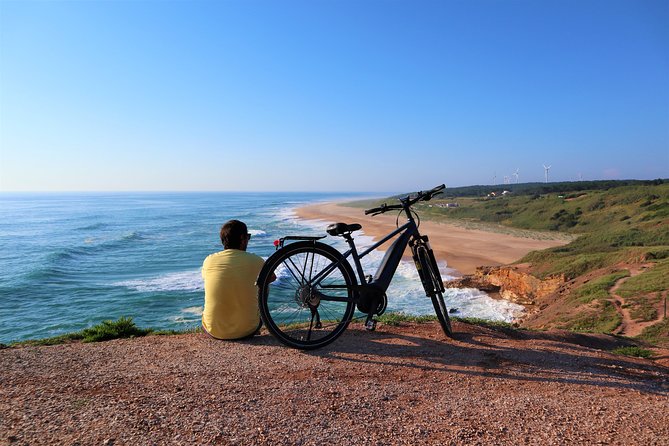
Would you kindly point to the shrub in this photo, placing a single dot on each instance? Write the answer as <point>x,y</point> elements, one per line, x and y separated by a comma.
<point>633,351</point>
<point>124,327</point>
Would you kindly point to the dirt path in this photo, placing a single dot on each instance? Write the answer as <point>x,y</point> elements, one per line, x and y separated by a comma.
<point>627,322</point>
<point>398,385</point>
<point>629,327</point>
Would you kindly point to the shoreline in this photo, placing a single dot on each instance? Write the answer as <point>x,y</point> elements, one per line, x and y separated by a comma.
<point>463,249</point>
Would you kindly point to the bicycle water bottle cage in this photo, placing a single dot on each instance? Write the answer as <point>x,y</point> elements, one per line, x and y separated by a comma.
<point>342,228</point>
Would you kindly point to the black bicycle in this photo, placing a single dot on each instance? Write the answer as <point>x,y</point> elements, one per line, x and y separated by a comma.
<point>308,291</point>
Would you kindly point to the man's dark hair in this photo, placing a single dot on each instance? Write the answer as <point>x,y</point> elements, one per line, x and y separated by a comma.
<point>232,234</point>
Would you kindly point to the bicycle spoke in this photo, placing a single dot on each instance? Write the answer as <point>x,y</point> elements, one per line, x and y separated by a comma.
<point>291,271</point>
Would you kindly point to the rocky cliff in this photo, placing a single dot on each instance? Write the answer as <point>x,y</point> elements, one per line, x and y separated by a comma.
<point>512,283</point>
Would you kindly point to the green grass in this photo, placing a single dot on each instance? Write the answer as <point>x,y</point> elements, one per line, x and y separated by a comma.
<point>396,319</point>
<point>657,334</point>
<point>193,330</point>
<point>642,308</point>
<point>124,327</point>
<point>655,279</point>
<point>597,289</point>
<point>484,322</point>
<point>601,318</point>
<point>633,351</point>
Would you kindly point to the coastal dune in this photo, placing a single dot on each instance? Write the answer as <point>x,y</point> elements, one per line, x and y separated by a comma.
<point>463,249</point>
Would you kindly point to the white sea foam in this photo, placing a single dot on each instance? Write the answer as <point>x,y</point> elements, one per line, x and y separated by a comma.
<point>188,315</point>
<point>257,232</point>
<point>197,311</point>
<point>176,281</point>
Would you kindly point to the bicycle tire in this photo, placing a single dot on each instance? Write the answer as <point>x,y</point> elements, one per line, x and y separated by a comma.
<point>433,286</point>
<point>287,304</point>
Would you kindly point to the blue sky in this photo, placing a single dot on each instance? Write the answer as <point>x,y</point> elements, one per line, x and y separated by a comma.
<point>330,95</point>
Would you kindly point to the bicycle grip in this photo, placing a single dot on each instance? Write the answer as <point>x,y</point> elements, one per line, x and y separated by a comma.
<point>382,208</point>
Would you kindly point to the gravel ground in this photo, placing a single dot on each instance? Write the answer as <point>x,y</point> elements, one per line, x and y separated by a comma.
<point>398,385</point>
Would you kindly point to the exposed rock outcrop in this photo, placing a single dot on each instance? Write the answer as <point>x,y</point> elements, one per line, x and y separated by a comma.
<point>511,282</point>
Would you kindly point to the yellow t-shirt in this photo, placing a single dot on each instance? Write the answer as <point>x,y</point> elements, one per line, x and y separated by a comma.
<point>230,293</point>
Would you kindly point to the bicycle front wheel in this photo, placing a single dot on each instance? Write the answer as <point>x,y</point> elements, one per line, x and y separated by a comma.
<point>311,301</point>
<point>433,285</point>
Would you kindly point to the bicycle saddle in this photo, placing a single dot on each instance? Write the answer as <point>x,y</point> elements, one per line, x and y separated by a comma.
<point>342,228</point>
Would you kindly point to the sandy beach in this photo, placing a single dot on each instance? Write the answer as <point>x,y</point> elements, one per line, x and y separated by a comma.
<point>463,249</point>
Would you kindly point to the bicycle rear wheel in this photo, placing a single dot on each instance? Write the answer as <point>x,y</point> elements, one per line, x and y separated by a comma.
<point>433,285</point>
<point>311,302</point>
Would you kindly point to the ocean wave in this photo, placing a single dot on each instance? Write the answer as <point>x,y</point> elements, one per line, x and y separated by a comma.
<point>470,302</point>
<point>48,274</point>
<point>92,245</point>
<point>64,261</point>
<point>131,236</point>
<point>93,227</point>
<point>64,254</point>
<point>257,232</point>
<point>176,281</point>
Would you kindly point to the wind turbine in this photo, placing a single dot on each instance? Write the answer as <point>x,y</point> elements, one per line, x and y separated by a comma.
<point>546,168</point>
<point>494,178</point>
<point>515,174</point>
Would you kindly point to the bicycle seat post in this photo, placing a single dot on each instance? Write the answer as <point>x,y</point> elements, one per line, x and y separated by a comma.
<point>354,253</point>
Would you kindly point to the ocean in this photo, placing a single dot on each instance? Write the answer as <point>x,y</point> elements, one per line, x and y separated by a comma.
<point>71,260</point>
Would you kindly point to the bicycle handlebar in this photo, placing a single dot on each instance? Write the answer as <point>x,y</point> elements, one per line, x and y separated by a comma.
<point>407,201</point>
<point>383,208</point>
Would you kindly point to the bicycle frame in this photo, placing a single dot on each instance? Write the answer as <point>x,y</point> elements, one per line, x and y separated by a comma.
<point>391,260</point>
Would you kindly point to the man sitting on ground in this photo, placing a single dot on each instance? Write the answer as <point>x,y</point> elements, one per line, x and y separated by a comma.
<point>230,293</point>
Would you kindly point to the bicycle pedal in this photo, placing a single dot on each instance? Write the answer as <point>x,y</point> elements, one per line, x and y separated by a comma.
<point>370,325</point>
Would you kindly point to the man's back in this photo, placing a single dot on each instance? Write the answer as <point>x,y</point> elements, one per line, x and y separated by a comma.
<point>230,294</point>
